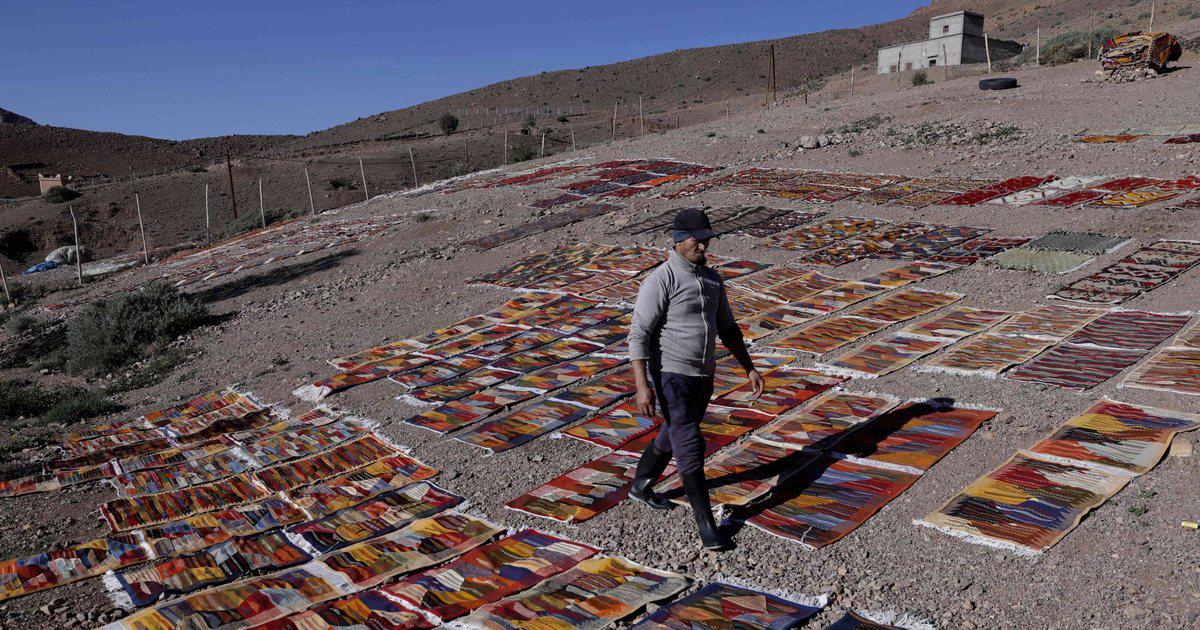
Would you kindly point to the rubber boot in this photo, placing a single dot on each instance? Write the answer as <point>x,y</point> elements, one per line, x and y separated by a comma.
<point>650,467</point>
<point>696,487</point>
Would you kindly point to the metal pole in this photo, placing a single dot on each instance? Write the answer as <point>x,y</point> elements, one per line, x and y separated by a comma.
<point>614,125</point>
<point>363,172</point>
<point>851,81</point>
<point>945,64</point>
<point>262,210</point>
<point>413,161</point>
<point>78,254</point>
<point>572,137</point>
<point>4,281</point>
<point>987,49</point>
<point>505,156</point>
<point>543,154</point>
<point>1038,59</point>
<point>229,172</point>
<point>312,207</point>
<point>641,118</point>
<point>207,215</point>
<point>137,202</point>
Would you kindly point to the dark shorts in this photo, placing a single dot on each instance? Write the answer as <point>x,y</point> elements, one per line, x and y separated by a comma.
<point>682,401</point>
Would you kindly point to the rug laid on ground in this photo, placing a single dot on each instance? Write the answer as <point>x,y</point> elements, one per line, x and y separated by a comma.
<point>1143,270</point>
<point>593,595</point>
<point>914,436</point>
<point>367,609</point>
<point>978,249</point>
<point>541,224</point>
<point>523,426</point>
<point>890,620</point>
<point>1131,330</point>
<point>468,410</point>
<point>1037,497</point>
<point>489,573</point>
<point>584,492</point>
<point>725,607</point>
<point>744,473</point>
<point>824,234</point>
<point>1075,367</point>
<point>615,427</point>
<point>22,576</point>
<point>829,501</point>
<point>376,516</point>
<point>1048,321</point>
<point>785,389</point>
<point>1045,261</point>
<point>782,223</point>
<point>826,421</point>
<point>1171,369</point>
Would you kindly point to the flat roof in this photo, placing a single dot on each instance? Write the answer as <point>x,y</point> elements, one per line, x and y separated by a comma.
<point>938,17</point>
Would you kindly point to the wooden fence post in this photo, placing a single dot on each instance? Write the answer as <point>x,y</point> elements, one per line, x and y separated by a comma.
<point>262,209</point>
<point>614,124</point>
<point>1037,60</point>
<point>363,172</point>
<point>945,64</point>
<point>137,202</point>
<point>572,137</point>
<point>312,207</point>
<point>78,251</point>
<point>207,216</point>
<point>851,81</point>
<point>4,281</point>
<point>543,154</point>
<point>413,161</point>
<point>505,155</point>
<point>987,50</point>
<point>641,118</point>
<point>229,173</point>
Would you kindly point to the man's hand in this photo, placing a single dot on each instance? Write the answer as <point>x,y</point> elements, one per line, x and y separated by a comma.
<point>757,383</point>
<point>645,401</point>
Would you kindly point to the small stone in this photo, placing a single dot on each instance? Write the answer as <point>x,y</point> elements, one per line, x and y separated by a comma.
<point>808,142</point>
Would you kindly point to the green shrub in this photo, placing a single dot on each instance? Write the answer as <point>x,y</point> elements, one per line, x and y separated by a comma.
<point>79,404</point>
<point>59,194</point>
<point>459,169</point>
<point>523,153</point>
<point>530,121</point>
<point>340,183</point>
<point>22,399</point>
<point>563,119</point>
<point>69,404</point>
<point>449,123</point>
<point>112,333</point>
<point>20,323</point>
<point>920,77</point>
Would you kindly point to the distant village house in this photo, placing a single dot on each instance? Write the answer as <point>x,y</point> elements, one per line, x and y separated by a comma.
<point>954,39</point>
<point>46,182</point>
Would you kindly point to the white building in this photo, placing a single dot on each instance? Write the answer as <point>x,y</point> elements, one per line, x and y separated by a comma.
<point>954,39</point>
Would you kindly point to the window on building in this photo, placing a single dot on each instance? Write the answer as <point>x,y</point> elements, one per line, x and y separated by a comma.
<point>908,66</point>
<point>892,68</point>
<point>945,28</point>
<point>932,62</point>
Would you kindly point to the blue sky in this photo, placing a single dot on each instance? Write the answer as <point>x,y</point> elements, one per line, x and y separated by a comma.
<point>179,70</point>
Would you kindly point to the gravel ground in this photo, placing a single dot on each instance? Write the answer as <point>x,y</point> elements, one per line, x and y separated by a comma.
<point>1114,571</point>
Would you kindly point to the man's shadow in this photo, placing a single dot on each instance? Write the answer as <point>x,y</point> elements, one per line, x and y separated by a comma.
<point>861,440</point>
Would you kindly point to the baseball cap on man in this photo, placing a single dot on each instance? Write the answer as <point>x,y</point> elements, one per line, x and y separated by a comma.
<point>691,222</point>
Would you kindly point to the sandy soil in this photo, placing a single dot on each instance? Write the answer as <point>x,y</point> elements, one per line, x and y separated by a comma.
<point>1114,571</point>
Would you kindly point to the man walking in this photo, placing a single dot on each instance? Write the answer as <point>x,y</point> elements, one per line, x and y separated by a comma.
<point>681,310</point>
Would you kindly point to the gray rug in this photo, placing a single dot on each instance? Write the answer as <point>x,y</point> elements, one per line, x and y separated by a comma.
<point>1085,242</point>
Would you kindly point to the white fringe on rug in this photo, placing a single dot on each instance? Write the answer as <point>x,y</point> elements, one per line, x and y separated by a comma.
<point>907,621</point>
<point>311,393</point>
<point>1020,550</point>
<point>814,601</point>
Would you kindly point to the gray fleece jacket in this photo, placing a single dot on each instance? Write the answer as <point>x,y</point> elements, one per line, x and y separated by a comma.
<point>681,310</point>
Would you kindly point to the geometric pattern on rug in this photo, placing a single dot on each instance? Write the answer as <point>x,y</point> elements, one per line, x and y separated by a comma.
<point>979,249</point>
<point>827,420</point>
<point>785,390</point>
<point>837,499</point>
<point>522,426</point>
<point>1174,370</point>
<point>615,427</point>
<point>582,493</point>
<point>374,517</point>
<point>1119,436</point>
<point>824,234</point>
<point>459,413</point>
<point>986,355</point>
<point>489,573</point>
<point>829,334</point>
<point>912,437</point>
<point>539,225</point>
<point>725,607</point>
<point>884,356</point>
<point>1075,367</point>
<point>1141,271</point>
<point>1049,321</point>
<point>744,473</point>
<point>591,596</point>
<point>1133,330</point>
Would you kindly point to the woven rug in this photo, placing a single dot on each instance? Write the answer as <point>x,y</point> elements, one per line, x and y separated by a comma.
<point>365,374</point>
<point>745,303</point>
<point>1040,260</point>
<point>729,374</point>
<point>1082,242</point>
<point>554,311</point>
<point>1048,321</point>
<point>744,473</point>
<point>826,421</point>
<point>581,320</point>
<point>810,283</point>
<point>829,334</point>
<point>750,217</point>
<point>221,564</point>
<point>957,323</point>
<point>935,240</point>
<point>923,198</point>
<point>884,356</point>
<point>724,607</point>
<point>527,340</point>
<point>828,502</point>
<point>545,356</point>
<point>1171,370</point>
<point>322,499</point>
<point>775,225</point>
<point>368,609</point>
<point>1075,367</point>
<point>489,573</point>
<point>423,543</point>
<point>600,392</point>
<point>609,331</point>
<point>460,413</point>
<point>22,576</point>
<point>772,321</point>
<point>460,386</point>
<point>615,427</point>
<point>785,389</point>
<point>824,234</point>
<point>979,249</point>
<point>473,340</point>
<point>224,464</point>
<point>129,513</point>
<point>541,224</point>
<point>737,268</point>
<point>340,459</point>
<point>840,297</point>
<point>1135,198</point>
<point>562,374</point>
<point>377,516</point>
<point>1190,338</point>
<point>653,223</point>
<point>523,426</point>
<point>871,244</point>
<point>905,305</point>
<point>1026,505</point>
<point>909,273</point>
<point>774,276</point>
<point>999,189</point>
<point>1133,330</point>
<point>593,595</point>
<point>1048,190</point>
<point>1117,436</point>
<point>1143,270</point>
<point>582,493</point>
<point>912,437</point>
<point>202,531</point>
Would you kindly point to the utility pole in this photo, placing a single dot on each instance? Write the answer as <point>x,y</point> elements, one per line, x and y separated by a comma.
<point>78,250</point>
<point>312,207</point>
<point>229,172</point>
<point>137,202</point>
<point>413,161</point>
<point>945,64</point>
<point>363,173</point>
<point>262,208</point>
<point>770,71</point>
<point>774,85</point>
